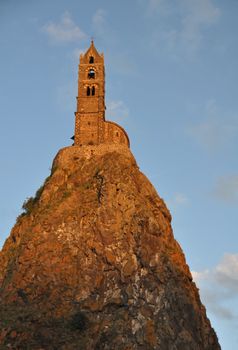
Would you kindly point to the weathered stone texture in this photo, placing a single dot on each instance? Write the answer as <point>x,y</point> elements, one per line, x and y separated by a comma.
<point>94,264</point>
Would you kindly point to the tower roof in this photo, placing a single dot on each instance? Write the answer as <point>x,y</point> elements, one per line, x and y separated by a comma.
<point>92,52</point>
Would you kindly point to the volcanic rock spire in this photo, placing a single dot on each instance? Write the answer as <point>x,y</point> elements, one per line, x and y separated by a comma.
<point>92,262</point>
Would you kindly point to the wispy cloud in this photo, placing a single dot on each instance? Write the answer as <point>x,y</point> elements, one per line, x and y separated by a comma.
<point>220,285</point>
<point>199,15</point>
<point>226,272</point>
<point>226,189</point>
<point>98,21</point>
<point>214,131</point>
<point>117,111</point>
<point>182,23</point>
<point>178,200</point>
<point>64,31</point>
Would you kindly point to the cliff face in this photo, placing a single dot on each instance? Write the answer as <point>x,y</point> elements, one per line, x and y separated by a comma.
<point>93,264</point>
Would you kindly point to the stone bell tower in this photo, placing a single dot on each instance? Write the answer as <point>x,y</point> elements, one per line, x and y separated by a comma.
<point>90,125</point>
<point>90,113</point>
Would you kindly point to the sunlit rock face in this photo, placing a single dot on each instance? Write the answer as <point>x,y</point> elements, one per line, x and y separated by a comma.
<point>93,264</point>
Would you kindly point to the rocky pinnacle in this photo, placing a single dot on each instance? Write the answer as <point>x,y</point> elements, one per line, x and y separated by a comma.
<point>92,263</point>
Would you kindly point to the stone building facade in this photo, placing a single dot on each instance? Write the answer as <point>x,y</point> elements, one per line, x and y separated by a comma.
<point>90,125</point>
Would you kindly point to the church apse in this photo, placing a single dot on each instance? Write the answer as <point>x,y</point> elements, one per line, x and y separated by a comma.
<point>91,128</point>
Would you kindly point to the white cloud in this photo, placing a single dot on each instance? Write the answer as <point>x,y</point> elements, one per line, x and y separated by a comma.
<point>227,189</point>
<point>218,286</point>
<point>199,15</point>
<point>226,272</point>
<point>98,21</point>
<point>214,301</point>
<point>199,276</point>
<point>182,23</point>
<point>64,31</point>
<point>214,131</point>
<point>117,110</point>
<point>179,199</point>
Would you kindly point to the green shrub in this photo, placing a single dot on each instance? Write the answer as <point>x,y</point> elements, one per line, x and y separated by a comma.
<point>30,202</point>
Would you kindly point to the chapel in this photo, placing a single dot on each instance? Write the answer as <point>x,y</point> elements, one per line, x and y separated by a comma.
<point>91,128</point>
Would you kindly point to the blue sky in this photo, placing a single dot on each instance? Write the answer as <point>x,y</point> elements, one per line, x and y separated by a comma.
<point>171,82</point>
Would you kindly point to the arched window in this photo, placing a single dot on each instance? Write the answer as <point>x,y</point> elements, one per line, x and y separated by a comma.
<point>91,59</point>
<point>93,90</point>
<point>88,91</point>
<point>91,74</point>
